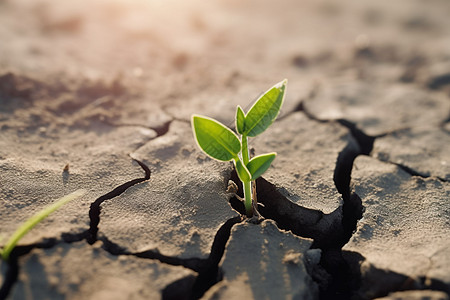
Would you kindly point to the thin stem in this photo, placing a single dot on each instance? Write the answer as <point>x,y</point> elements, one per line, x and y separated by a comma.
<point>247,185</point>
<point>248,198</point>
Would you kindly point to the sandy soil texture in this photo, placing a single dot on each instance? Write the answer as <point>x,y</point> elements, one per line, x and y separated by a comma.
<point>97,95</point>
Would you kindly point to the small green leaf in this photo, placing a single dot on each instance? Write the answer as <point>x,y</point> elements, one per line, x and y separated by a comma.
<point>34,220</point>
<point>242,171</point>
<point>265,110</point>
<point>259,164</point>
<point>240,120</point>
<point>215,139</point>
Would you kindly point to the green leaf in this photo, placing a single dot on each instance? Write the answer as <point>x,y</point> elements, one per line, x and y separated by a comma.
<point>243,173</point>
<point>215,139</point>
<point>265,110</point>
<point>259,164</point>
<point>34,220</point>
<point>240,120</point>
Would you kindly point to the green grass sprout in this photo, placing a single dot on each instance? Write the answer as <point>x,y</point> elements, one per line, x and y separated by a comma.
<point>34,220</point>
<point>221,143</point>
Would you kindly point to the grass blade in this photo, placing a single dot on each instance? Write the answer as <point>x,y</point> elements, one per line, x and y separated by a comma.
<point>34,220</point>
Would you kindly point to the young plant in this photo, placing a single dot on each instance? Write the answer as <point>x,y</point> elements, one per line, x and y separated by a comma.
<point>33,221</point>
<point>220,143</point>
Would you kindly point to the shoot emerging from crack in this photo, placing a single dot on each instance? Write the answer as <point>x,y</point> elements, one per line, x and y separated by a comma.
<point>220,143</point>
<point>34,220</point>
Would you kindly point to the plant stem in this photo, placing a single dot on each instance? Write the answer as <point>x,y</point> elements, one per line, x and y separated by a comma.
<point>247,185</point>
<point>248,198</point>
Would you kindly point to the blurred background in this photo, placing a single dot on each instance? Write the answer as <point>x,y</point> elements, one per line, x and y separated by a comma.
<point>207,56</point>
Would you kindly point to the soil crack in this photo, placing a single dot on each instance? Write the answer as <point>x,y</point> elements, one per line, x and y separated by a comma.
<point>364,145</point>
<point>195,264</point>
<point>209,272</point>
<point>12,265</point>
<point>94,211</point>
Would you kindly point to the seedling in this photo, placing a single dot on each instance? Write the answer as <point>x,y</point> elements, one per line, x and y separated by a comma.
<point>34,220</point>
<point>221,143</point>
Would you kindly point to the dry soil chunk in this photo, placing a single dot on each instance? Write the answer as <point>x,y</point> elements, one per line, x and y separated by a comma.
<point>180,208</point>
<point>263,262</point>
<point>81,271</point>
<point>404,230</point>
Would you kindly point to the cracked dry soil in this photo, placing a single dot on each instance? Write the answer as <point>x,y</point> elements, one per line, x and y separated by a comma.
<point>98,95</point>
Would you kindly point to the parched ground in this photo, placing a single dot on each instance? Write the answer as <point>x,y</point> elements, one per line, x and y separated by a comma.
<point>97,95</point>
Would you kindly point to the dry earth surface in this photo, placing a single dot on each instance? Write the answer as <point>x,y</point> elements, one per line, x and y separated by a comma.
<point>97,95</point>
